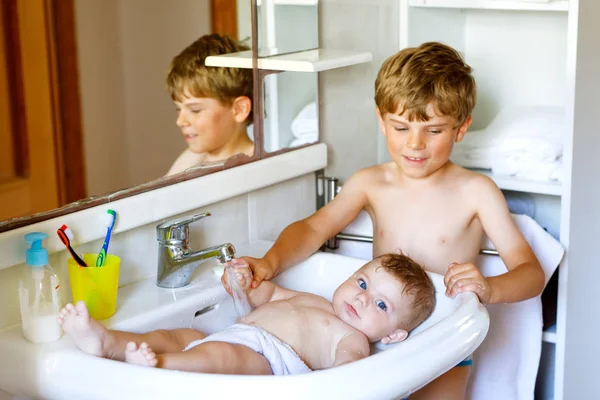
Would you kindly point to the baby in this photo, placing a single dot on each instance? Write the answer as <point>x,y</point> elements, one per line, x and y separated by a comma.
<point>288,332</point>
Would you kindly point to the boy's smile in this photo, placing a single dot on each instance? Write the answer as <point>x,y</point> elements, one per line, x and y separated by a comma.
<point>420,148</point>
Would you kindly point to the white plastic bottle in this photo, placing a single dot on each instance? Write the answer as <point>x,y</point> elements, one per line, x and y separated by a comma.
<point>39,298</point>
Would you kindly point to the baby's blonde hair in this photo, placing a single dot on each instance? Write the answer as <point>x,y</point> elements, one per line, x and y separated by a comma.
<point>417,285</point>
<point>417,76</point>
<point>189,76</point>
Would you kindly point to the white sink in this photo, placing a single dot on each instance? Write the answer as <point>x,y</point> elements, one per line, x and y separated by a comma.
<point>60,371</point>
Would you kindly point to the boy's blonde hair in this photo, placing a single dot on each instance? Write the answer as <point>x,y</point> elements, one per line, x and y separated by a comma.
<point>189,76</point>
<point>417,285</point>
<point>417,76</point>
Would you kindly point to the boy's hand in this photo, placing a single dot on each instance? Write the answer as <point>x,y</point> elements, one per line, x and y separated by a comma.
<point>466,278</point>
<point>261,270</point>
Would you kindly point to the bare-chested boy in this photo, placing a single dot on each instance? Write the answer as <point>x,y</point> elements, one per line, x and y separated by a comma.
<point>289,332</point>
<point>421,203</point>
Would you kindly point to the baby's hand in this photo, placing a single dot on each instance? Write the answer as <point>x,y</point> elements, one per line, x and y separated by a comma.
<point>467,278</point>
<point>240,269</point>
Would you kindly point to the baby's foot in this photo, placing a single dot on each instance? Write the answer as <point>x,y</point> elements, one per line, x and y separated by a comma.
<point>87,333</point>
<point>142,355</point>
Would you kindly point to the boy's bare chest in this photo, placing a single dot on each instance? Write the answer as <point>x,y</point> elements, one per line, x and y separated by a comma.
<point>433,230</point>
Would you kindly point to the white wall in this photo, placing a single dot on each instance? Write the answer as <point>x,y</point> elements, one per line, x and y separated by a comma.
<point>347,109</point>
<point>124,51</point>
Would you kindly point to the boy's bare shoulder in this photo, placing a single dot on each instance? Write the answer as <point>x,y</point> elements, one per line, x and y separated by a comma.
<point>374,174</point>
<point>473,182</point>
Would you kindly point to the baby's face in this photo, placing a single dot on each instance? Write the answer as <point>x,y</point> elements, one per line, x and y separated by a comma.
<point>206,123</point>
<point>371,301</point>
<point>420,148</point>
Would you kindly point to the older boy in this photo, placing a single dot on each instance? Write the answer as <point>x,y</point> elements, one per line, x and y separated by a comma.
<point>421,203</point>
<point>289,332</point>
<point>214,104</point>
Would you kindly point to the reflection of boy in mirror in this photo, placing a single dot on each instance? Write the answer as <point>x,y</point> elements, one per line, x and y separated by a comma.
<point>214,104</point>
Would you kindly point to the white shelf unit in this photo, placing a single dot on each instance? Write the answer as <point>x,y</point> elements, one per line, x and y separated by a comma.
<point>540,54</point>
<point>314,60</point>
<point>504,182</point>
<point>551,5</point>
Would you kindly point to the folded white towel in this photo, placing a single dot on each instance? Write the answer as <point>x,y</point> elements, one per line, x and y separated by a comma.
<point>306,124</point>
<point>534,132</point>
<point>527,168</point>
<point>476,150</point>
<point>516,135</point>
<point>506,364</point>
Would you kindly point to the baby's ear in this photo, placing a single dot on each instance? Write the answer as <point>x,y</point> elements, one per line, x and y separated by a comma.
<point>396,336</point>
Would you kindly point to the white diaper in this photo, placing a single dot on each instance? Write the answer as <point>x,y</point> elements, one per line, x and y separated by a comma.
<point>282,358</point>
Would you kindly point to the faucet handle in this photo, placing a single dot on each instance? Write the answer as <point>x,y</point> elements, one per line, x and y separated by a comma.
<point>177,229</point>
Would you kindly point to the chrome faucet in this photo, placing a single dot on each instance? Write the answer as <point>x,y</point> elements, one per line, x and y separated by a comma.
<point>176,262</point>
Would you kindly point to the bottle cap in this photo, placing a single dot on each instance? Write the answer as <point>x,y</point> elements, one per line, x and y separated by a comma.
<point>36,255</point>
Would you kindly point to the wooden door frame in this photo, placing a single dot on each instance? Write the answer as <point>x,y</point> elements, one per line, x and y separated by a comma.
<point>67,99</point>
<point>223,17</point>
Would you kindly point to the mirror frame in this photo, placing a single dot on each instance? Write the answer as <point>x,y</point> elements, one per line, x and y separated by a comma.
<point>237,160</point>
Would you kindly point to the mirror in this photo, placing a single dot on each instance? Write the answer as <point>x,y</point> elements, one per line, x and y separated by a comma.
<point>279,24</point>
<point>92,117</point>
<point>291,110</point>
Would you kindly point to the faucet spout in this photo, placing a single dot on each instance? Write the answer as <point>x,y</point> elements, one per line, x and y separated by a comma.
<point>176,262</point>
<point>223,252</point>
<point>176,265</point>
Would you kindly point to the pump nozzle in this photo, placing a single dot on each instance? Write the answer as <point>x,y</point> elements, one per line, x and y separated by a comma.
<point>36,254</point>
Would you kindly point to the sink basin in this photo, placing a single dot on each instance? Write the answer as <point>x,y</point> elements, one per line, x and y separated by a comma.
<point>60,371</point>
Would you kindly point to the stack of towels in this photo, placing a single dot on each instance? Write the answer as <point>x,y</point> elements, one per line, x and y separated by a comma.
<point>305,126</point>
<point>526,142</point>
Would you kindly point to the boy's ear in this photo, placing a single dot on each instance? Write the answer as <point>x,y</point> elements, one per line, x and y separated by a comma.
<point>380,119</point>
<point>460,134</point>
<point>396,336</point>
<point>241,108</point>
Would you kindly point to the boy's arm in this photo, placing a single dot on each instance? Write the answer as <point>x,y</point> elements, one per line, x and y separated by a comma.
<point>351,348</point>
<point>525,276</point>
<point>302,238</point>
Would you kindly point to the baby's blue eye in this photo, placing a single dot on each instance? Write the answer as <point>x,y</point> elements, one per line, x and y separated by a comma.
<point>362,284</point>
<point>381,305</point>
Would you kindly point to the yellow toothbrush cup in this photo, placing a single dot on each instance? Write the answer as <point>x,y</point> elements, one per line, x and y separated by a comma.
<point>96,286</point>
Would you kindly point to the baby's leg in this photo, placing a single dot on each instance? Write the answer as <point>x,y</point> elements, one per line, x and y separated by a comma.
<point>93,338</point>
<point>208,357</point>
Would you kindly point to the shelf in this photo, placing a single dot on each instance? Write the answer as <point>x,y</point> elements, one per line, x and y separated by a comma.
<point>304,61</point>
<point>553,5</point>
<point>549,335</point>
<point>504,182</point>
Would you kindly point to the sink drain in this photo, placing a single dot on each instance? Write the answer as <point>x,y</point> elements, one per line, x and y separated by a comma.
<point>205,310</point>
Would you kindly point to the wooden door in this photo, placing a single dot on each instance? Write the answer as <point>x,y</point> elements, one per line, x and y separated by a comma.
<point>28,150</point>
<point>223,19</point>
